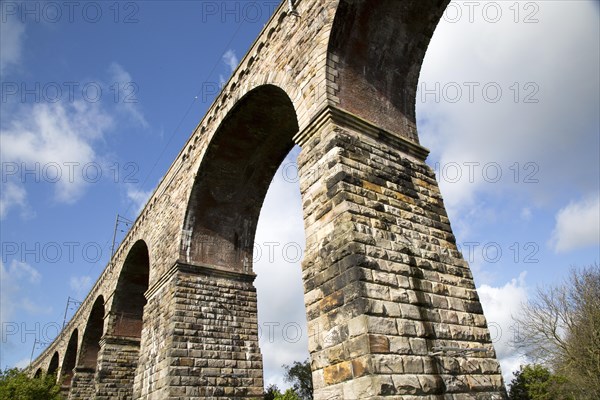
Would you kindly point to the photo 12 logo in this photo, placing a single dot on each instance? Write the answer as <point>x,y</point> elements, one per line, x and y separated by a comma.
<point>238,11</point>
<point>290,332</point>
<point>52,92</point>
<point>68,172</point>
<point>51,252</point>
<point>22,331</point>
<point>494,252</point>
<point>472,92</point>
<point>492,12</point>
<point>54,12</point>
<point>488,172</point>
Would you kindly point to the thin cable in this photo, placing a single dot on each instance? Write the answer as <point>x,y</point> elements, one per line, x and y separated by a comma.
<point>194,100</point>
<point>192,103</point>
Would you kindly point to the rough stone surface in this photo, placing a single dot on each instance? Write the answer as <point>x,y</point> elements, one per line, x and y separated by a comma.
<point>173,316</point>
<point>83,386</point>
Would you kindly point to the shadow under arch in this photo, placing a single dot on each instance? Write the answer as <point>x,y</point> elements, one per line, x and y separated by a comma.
<point>128,303</point>
<point>83,385</point>
<point>119,353</point>
<point>53,366</point>
<point>233,179</point>
<point>90,345</point>
<point>379,48</point>
<point>69,360</point>
<point>38,373</point>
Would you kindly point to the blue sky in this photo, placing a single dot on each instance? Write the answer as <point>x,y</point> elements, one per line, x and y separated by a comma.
<point>97,100</point>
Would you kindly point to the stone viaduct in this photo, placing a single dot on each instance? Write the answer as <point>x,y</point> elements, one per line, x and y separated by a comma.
<point>173,315</point>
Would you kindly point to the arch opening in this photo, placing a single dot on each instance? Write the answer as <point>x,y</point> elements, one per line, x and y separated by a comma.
<point>38,373</point>
<point>53,366</point>
<point>234,177</point>
<point>379,49</point>
<point>129,299</point>
<point>90,345</point>
<point>69,360</point>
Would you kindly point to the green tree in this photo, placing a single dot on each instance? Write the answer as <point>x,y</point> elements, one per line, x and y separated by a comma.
<point>15,384</point>
<point>536,382</point>
<point>299,374</point>
<point>271,393</point>
<point>289,394</point>
<point>560,329</point>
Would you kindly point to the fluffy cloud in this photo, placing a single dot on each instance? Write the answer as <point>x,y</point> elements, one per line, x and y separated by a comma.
<point>14,301</point>
<point>534,101</point>
<point>499,305</point>
<point>56,143</point>
<point>230,59</point>
<point>279,244</point>
<point>577,225</point>
<point>138,198</point>
<point>12,37</point>
<point>80,285</point>
<point>13,195</point>
<point>127,101</point>
<point>12,280</point>
<point>53,140</point>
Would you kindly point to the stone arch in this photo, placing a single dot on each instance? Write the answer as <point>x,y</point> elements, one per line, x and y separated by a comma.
<point>38,373</point>
<point>128,302</point>
<point>234,177</point>
<point>69,360</point>
<point>83,386</point>
<point>376,50</point>
<point>53,366</point>
<point>120,345</point>
<point>90,345</point>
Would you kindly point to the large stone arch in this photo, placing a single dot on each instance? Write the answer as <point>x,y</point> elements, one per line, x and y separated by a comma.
<point>128,301</point>
<point>215,265</point>
<point>120,345</point>
<point>234,177</point>
<point>83,386</point>
<point>69,361</point>
<point>376,50</point>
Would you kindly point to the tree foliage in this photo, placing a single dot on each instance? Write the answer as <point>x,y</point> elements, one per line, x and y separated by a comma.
<point>271,393</point>
<point>15,384</point>
<point>289,394</point>
<point>536,382</point>
<point>560,329</point>
<point>299,374</point>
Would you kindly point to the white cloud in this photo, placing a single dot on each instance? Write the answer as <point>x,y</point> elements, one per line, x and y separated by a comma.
<point>80,285</point>
<point>56,141</point>
<point>577,225</point>
<point>18,281</point>
<point>230,59</point>
<point>23,363</point>
<point>138,198</point>
<point>13,195</point>
<point>12,36</point>
<point>20,271</point>
<point>526,214</point>
<point>558,134</point>
<point>13,298</point>
<point>499,305</point>
<point>128,91</point>
<point>281,312</point>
